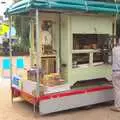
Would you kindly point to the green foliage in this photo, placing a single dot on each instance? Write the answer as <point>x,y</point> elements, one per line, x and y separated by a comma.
<point>22,29</point>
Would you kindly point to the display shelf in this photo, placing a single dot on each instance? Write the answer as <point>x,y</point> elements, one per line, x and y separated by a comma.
<point>85,51</point>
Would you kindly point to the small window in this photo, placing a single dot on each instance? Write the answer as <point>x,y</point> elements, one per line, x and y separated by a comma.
<point>90,49</point>
<point>89,41</point>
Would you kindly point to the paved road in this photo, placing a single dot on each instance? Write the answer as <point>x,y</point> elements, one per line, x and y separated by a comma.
<point>21,110</point>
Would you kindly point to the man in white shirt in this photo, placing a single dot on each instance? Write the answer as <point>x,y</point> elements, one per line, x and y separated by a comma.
<point>116,76</point>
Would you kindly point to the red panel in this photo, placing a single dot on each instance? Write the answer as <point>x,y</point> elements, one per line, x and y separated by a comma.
<point>32,99</point>
<point>73,92</point>
<point>15,92</point>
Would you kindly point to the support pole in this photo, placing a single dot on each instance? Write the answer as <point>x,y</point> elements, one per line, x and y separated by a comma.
<point>115,22</point>
<point>59,47</point>
<point>38,55</point>
<point>38,51</point>
<point>32,49</point>
<point>30,40</point>
<point>10,50</point>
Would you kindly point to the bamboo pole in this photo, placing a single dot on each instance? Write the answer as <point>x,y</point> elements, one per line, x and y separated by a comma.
<point>59,47</point>
<point>115,22</point>
<point>33,44</point>
<point>32,49</point>
<point>30,40</point>
<point>10,52</point>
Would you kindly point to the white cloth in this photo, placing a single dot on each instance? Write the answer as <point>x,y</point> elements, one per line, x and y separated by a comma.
<point>116,85</point>
<point>116,58</point>
<point>116,75</point>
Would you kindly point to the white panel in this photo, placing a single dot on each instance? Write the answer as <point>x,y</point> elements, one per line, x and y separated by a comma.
<point>74,101</point>
<point>92,24</point>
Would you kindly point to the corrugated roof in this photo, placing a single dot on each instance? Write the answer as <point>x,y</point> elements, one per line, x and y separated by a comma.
<point>64,5</point>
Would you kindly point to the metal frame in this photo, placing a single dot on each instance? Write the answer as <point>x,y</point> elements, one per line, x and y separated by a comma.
<point>38,58</point>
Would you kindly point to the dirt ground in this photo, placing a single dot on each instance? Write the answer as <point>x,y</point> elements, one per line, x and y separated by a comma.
<point>20,110</point>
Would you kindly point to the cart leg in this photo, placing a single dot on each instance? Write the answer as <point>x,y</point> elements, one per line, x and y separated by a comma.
<point>11,95</point>
<point>34,107</point>
<point>36,110</point>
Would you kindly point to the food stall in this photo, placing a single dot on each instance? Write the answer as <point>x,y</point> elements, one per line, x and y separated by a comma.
<point>70,51</point>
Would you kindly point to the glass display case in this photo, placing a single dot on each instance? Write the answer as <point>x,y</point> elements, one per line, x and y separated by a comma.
<point>90,49</point>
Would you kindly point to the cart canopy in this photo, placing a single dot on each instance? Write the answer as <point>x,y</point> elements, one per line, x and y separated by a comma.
<point>64,5</point>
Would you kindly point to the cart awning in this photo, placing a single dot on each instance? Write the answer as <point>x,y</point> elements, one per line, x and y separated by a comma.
<point>64,5</point>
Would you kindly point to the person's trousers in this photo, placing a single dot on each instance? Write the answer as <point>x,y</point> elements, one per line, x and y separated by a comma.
<point>116,85</point>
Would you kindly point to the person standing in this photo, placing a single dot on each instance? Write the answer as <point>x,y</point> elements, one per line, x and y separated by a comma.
<point>116,76</point>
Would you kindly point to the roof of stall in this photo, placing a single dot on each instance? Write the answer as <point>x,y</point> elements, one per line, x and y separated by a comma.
<point>64,5</point>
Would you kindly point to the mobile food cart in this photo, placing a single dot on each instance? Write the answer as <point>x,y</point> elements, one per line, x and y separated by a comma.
<point>70,53</point>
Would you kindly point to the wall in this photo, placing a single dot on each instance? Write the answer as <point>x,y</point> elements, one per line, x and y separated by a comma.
<point>82,24</point>
<point>91,24</point>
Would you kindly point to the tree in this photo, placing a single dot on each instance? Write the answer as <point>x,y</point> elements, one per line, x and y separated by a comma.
<point>22,30</point>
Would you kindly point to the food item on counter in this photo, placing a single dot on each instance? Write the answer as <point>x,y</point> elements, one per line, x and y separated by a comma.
<point>93,46</point>
<point>86,47</point>
<point>52,80</point>
<point>49,82</point>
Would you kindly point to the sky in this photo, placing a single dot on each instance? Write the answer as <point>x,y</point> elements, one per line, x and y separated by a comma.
<point>3,7</point>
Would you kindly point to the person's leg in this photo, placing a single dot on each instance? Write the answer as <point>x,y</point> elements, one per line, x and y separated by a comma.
<point>116,85</point>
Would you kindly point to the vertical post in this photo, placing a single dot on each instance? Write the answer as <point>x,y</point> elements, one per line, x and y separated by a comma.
<point>91,58</point>
<point>38,46</point>
<point>31,37</point>
<point>30,40</point>
<point>59,47</point>
<point>116,17</point>
<point>33,43</point>
<point>10,50</point>
<point>114,32</point>
<point>38,57</point>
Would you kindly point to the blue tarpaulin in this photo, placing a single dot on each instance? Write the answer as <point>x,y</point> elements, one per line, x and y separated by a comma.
<point>20,63</point>
<point>6,64</point>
